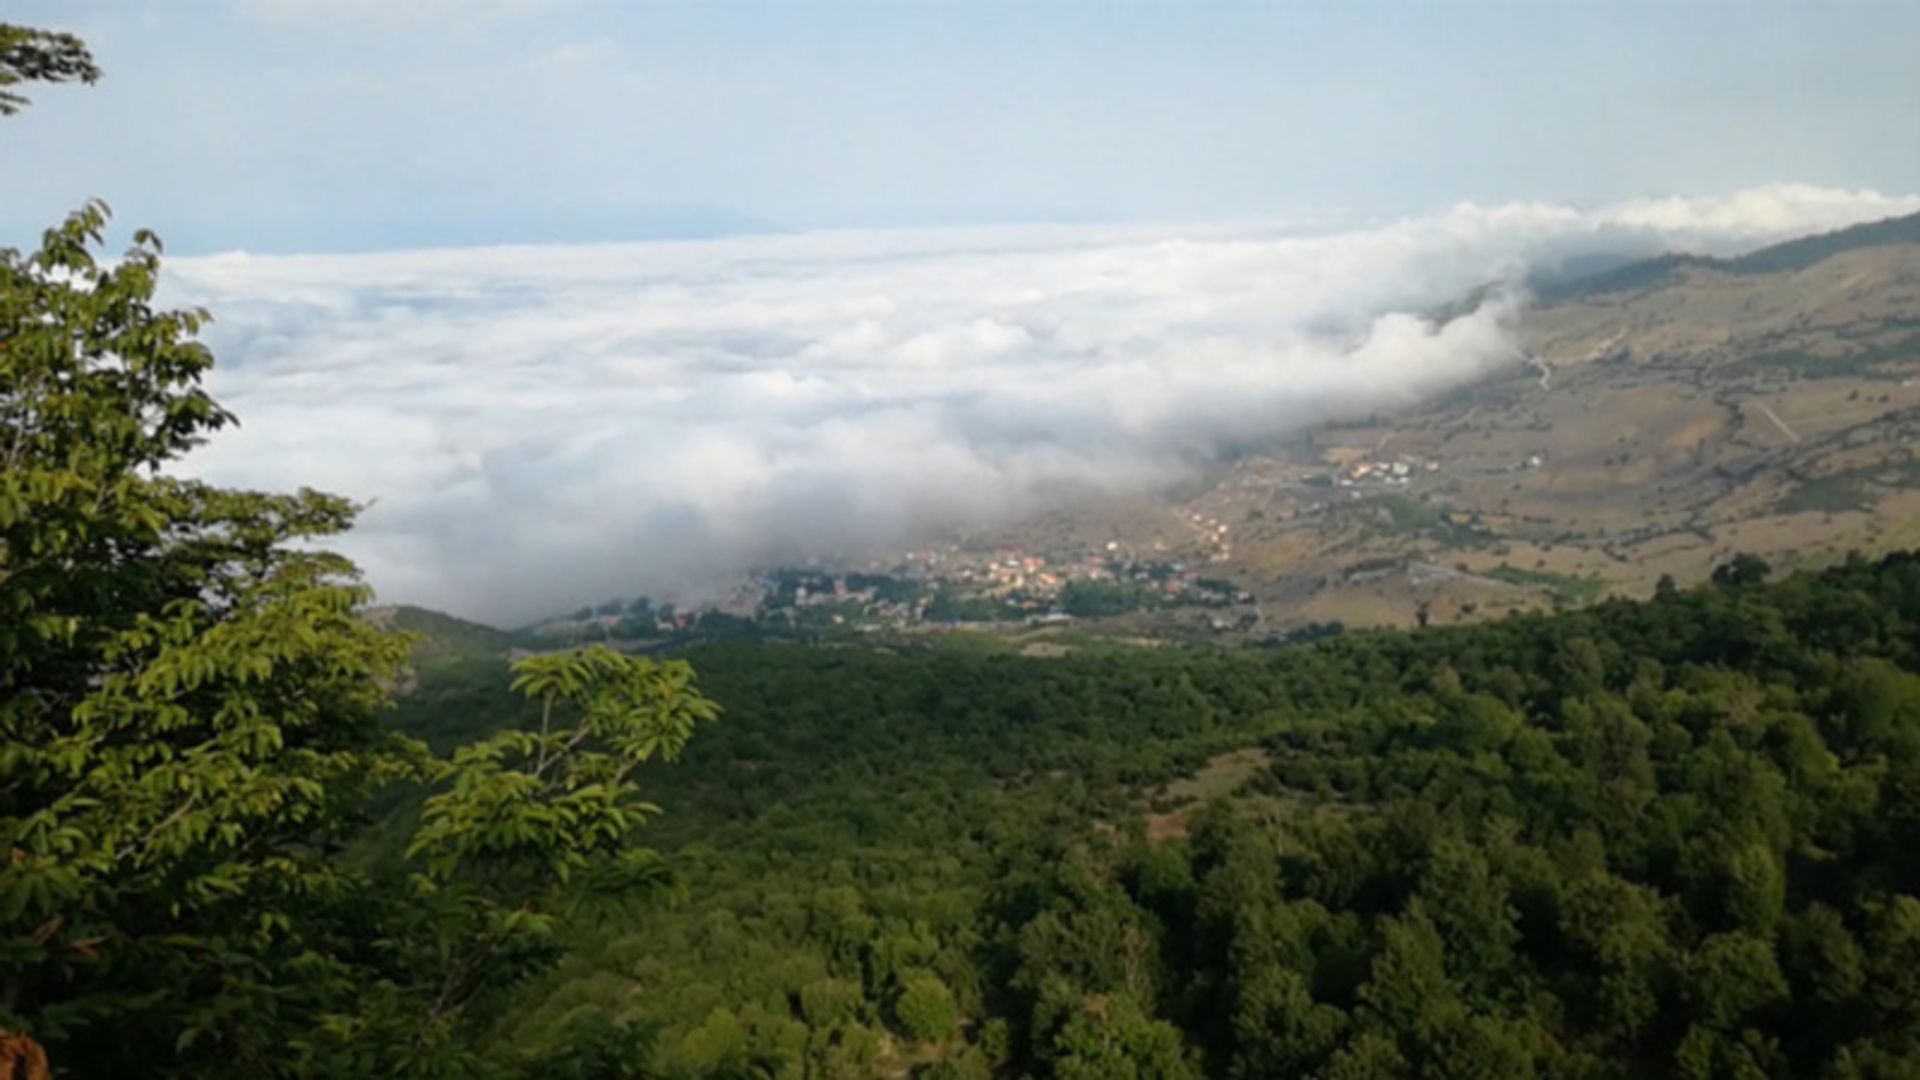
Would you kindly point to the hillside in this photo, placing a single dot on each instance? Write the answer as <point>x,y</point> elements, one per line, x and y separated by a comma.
<point>1659,838</point>
<point>441,635</point>
<point>1793,255</point>
<point>1673,411</point>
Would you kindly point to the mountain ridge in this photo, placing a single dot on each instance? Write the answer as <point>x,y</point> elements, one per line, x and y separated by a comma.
<point>1788,255</point>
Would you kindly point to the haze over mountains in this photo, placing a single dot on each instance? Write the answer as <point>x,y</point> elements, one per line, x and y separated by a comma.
<point>539,426</point>
<point>1673,412</point>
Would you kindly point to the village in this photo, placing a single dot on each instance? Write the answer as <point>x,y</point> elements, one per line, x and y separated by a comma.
<point>1012,580</point>
<point>929,587</point>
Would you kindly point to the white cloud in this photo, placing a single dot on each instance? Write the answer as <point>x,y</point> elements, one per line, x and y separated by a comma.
<point>1759,214</point>
<point>541,426</point>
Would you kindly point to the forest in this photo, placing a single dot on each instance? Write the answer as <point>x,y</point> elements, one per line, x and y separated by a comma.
<point>1666,837</point>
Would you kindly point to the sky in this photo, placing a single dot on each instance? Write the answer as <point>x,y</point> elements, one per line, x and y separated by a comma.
<point>590,298</point>
<point>362,125</point>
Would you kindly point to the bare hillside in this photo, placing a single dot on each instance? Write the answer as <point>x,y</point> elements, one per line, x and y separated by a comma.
<point>1673,413</point>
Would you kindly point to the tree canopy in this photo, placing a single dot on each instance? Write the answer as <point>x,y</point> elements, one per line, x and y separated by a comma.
<point>192,734</point>
<point>1659,837</point>
<point>30,55</point>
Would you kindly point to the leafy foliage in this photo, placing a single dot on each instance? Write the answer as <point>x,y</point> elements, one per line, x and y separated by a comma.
<point>30,55</point>
<point>530,825</point>
<point>187,700</point>
<point>191,736</point>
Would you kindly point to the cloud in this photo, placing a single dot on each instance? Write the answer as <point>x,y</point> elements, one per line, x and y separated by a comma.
<point>1761,215</point>
<point>542,426</point>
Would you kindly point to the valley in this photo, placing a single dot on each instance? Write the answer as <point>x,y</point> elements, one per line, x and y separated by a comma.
<point>1665,417</point>
<point>1660,417</point>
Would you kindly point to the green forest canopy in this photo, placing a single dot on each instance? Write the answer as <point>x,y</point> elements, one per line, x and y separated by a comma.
<point>1667,837</point>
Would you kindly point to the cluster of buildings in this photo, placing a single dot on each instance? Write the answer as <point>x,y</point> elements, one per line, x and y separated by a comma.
<point>1213,536</point>
<point>1385,471</point>
<point>833,598</point>
<point>936,585</point>
<point>957,584</point>
<point>1011,571</point>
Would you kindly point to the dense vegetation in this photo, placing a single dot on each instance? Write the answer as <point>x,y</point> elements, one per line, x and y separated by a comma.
<point>1667,837</point>
<point>191,737</point>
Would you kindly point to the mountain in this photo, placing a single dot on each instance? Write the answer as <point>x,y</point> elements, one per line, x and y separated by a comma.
<point>1585,278</point>
<point>441,636</point>
<point>449,655</point>
<point>1671,412</point>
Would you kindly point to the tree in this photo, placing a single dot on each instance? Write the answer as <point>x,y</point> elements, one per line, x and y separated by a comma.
<point>29,55</point>
<point>190,727</point>
<point>1734,975</point>
<point>1893,967</point>
<point>1279,1030</point>
<point>187,700</point>
<point>925,1007</point>
<point>1409,980</point>
<point>1755,888</point>
<point>529,826</point>
<point>1617,927</point>
<point>1742,569</point>
<point>1113,1038</point>
<point>1369,1057</point>
<point>825,1002</point>
<point>1828,966</point>
<point>1471,910</point>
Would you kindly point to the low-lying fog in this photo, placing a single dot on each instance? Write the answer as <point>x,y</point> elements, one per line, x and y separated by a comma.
<point>538,427</point>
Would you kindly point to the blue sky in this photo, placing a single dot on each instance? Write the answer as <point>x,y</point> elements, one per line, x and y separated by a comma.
<point>338,125</point>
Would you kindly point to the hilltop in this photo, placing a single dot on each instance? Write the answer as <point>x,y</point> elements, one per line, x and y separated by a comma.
<point>1784,257</point>
<point>442,634</point>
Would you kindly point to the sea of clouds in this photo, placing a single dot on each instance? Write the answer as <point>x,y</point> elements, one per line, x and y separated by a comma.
<point>538,427</point>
